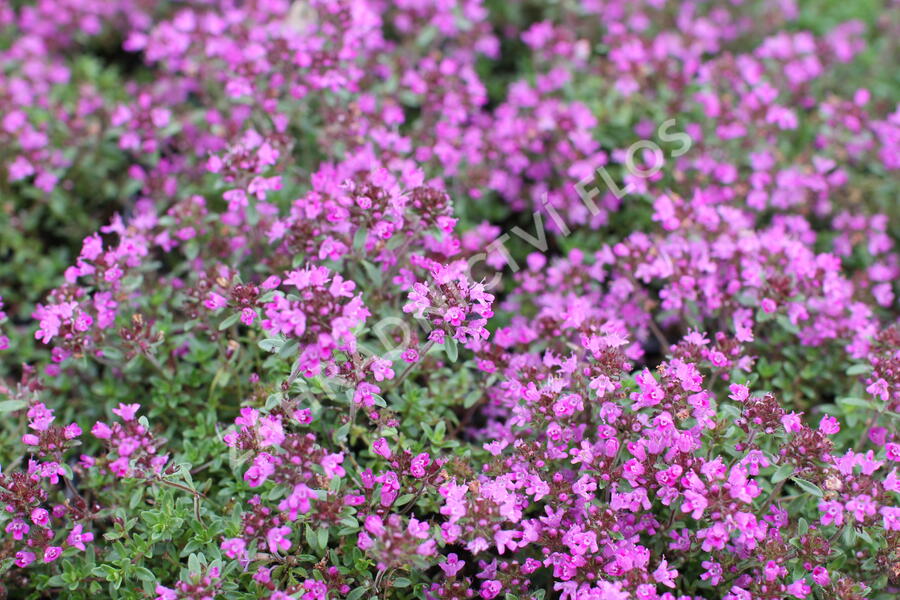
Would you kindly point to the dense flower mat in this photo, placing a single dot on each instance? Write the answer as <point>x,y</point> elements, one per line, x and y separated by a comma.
<point>584,299</point>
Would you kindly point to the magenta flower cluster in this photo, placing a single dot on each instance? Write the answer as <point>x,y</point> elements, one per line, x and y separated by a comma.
<point>319,344</point>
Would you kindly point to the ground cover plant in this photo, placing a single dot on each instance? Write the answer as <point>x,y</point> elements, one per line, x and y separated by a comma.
<point>320,299</point>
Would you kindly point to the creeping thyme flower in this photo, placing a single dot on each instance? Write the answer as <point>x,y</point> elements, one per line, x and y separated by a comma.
<point>449,299</point>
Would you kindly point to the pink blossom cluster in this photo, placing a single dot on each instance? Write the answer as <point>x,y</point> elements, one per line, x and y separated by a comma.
<point>133,450</point>
<point>689,390</point>
<point>39,525</point>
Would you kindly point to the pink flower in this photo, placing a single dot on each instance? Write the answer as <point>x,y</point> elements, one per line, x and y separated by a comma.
<point>259,471</point>
<point>331,463</point>
<point>891,516</point>
<point>277,540</point>
<point>40,517</point>
<point>452,565</point>
<point>880,389</point>
<point>233,547</point>
<point>248,416</point>
<point>263,575</point>
<point>101,430</point>
<point>364,394</point>
<point>381,448</point>
<point>739,393</point>
<point>298,501</point>
<point>23,559</point>
<point>77,538</point>
<point>20,168</point>
<point>713,537</point>
<point>374,525</point>
<point>417,467</point>
<point>271,432</point>
<point>713,572</point>
<point>694,503</point>
<point>91,247</point>
<point>454,315</point>
<point>665,576</point>
<point>829,425</point>
<point>215,302</point>
<point>799,589</point>
<point>382,369</point>
<point>505,540</point>
<point>833,513</point>
<point>40,417</point>
<point>772,571</point>
<point>51,553</point>
<point>120,466</point>
<point>417,529</point>
<point>17,528</point>
<point>791,422</point>
<point>165,593</point>
<point>315,590</point>
<point>820,576</point>
<point>364,541</point>
<point>271,282</point>
<point>892,452</point>
<point>490,589</point>
<point>72,431</point>
<point>126,411</point>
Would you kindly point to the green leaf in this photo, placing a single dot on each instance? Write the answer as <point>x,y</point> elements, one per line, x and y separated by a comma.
<point>404,499</point>
<point>108,572</point>
<point>229,321</point>
<point>858,369</point>
<point>439,431</point>
<point>194,564</point>
<point>111,353</point>
<point>856,402</point>
<point>767,369</point>
<point>11,405</point>
<point>850,535</point>
<point>472,398</point>
<point>271,344</point>
<point>144,574</point>
<point>341,434</point>
<point>864,535</point>
<point>357,593</point>
<point>782,472</point>
<point>312,539</point>
<point>288,349</point>
<point>808,487</point>
<point>786,324</point>
<point>373,272</point>
<point>359,238</point>
<point>451,349</point>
